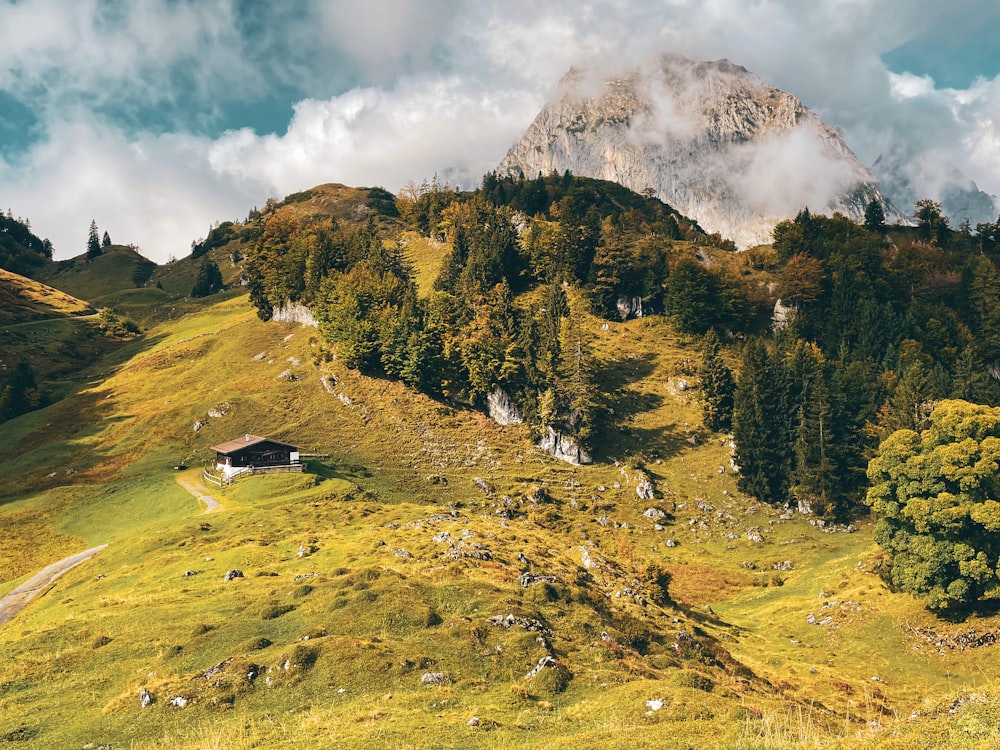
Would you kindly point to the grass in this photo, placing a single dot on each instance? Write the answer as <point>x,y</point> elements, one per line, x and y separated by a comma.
<point>23,300</point>
<point>386,561</point>
<point>117,268</point>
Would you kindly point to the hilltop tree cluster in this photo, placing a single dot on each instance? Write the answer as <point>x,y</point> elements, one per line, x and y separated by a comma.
<point>473,338</point>
<point>21,251</point>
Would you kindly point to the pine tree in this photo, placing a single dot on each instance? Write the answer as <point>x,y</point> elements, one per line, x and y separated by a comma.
<point>759,427</point>
<point>209,279</point>
<point>717,385</point>
<point>106,240</point>
<point>93,241</point>
<point>875,216</point>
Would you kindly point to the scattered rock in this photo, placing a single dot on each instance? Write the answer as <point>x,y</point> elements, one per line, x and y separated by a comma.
<point>233,574</point>
<point>654,514</point>
<point>198,425</point>
<point>435,678</point>
<point>403,554</point>
<point>259,357</point>
<point>473,722</point>
<point>483,485</point>
<point>145,698</point>
<point>530,579</point>
<point>179,700</point>
<point>784,565</point>
<point>585,558</point>
<point>545,661</point>
<point>671,542</point>
<point>306,549</point>
<point>645,489</point>
<point>288,375</point>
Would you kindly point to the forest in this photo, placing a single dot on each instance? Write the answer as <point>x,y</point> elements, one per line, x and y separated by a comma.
<point>879,322</point>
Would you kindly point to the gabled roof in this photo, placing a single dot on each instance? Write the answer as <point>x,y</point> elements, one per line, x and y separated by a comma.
<point>235,446</point>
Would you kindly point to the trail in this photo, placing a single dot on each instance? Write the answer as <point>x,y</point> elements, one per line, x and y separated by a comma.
<point>26,323</point>
<point>199,491</point>
<point>19,598</point>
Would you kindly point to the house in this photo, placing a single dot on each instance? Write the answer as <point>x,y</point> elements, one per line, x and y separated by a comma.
<point>253,453</point>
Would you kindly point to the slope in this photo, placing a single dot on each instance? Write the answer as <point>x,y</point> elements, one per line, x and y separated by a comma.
<point>432,542</point>
<point>23,300</point>
<point>117,268</point>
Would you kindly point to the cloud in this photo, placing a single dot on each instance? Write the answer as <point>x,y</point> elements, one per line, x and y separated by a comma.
<point>158,192</point>
<point>383,137</point>
<point>392,90</point>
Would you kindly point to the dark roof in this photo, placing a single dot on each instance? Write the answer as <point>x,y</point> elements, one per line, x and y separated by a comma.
<point>235,446</point>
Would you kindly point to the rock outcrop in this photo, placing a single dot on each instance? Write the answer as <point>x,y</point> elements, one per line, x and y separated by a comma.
<point>502,409</point>
<point>294,312</point>
<point>709,138</point>
<point>564,448</point>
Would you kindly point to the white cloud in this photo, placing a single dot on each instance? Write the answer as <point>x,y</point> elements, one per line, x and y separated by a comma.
<point>441,86</point>
<point>909,86</point>
<point>383,137</point>
<point>156,191</point>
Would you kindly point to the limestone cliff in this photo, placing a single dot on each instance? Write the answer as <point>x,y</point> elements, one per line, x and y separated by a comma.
<point>710,138</point>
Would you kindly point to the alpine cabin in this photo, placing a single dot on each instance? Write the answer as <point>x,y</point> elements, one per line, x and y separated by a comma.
<point>251,453</point>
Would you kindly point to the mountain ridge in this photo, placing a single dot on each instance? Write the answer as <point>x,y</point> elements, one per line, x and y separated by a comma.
<point>709,138</point>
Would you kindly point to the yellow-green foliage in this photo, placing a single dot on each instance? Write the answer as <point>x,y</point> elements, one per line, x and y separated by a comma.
<point>387,561</point>
<point>23,299</point>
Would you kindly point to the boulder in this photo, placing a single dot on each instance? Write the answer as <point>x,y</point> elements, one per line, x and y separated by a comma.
<point>233,574</point>
<point>145,698</point>
<point>435,678</point>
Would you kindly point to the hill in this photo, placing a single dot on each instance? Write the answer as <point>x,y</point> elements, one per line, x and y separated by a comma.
<point>23,300</point>
<point>117,268</point>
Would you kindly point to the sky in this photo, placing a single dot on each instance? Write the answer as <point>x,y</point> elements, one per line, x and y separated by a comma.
<point>160,118</point>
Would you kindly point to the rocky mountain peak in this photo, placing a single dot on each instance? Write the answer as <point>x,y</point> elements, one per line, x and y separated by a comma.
<point>710,138</point>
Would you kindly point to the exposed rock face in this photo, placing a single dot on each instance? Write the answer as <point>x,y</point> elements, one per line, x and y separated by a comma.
<point>294,312</point>
<point>782,315</point>
<point>564,448</point>
<point>710,138</point>
<point>502,409</point>
<point>629,307</point>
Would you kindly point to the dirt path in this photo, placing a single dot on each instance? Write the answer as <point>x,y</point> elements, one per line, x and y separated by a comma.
<point>18,599</point>
<point>200,492</point>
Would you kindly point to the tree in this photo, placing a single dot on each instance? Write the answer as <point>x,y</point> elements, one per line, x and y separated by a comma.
<point>875,216</point>
<point>759,427</point>
<point>106,240</point>
<point>937,495</point>
<point>932,224</point>
<point>209,279</point>
<point>717,385</point>
<point>93,241</point>
<point>19,393</point>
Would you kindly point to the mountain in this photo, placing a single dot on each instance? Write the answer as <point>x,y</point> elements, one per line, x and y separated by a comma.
<point>899,175</point>
<point>709,138</point>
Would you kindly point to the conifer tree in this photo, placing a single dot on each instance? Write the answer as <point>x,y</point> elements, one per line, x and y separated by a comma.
<point>209,279</point>
<point>717,385</point>
<point>875,216</point>
<point>106,240</point>
<point>759,427</point>
<point>93,241</point>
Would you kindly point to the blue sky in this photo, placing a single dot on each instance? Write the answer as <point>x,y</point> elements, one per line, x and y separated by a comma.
<point>159,117</point>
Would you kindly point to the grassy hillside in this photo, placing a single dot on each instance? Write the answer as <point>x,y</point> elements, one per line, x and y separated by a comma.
<point>117,268</point>
<point>405,548</point>
<point>23,300</point>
